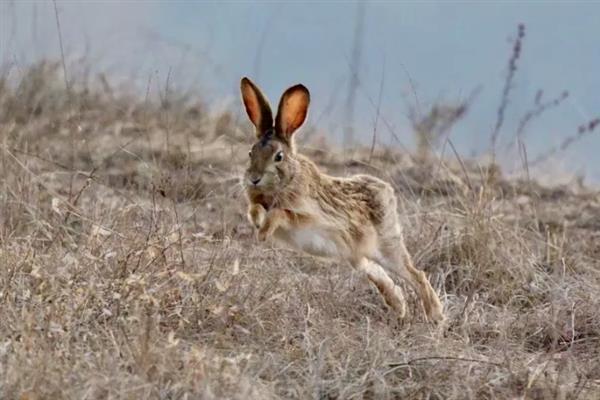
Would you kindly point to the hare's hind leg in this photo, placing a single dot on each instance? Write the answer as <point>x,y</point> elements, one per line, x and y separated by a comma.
<point>395,257</point>
<point>391,293</point>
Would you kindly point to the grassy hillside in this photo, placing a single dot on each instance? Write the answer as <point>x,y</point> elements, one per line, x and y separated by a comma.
<point>128,270</point>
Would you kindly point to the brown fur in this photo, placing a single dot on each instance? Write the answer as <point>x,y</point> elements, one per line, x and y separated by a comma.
<point>352,219</point>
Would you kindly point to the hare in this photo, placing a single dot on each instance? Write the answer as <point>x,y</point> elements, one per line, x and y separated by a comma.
<point>351,219</point>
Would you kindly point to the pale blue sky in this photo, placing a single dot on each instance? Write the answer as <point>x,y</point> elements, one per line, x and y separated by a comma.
<point>448,48</point>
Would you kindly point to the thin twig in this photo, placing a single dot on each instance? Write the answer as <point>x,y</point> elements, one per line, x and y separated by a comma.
<point>582,130</point>
<point>532,114</point>
<point>167,106</point>
<point>508,85</point>
<point>377,112</point>
<point>462,164</point>
<point>409,363</point>
<point>62,49</point>
<point>386,123</point>
<point>523,154</point>
<point>354,68</point>
<point>258,56</point>
<point>413,89</point>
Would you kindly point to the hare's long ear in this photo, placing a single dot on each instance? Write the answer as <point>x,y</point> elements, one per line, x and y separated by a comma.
<point>257,107</point>
<point>293,108</point>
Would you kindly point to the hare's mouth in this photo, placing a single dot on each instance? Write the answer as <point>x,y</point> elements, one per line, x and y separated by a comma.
<point>267,182</point>
<point>261,186</point>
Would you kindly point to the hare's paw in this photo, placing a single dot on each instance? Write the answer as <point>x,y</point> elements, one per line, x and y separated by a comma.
<point>257,215</point>
<point>271,221</point>
<point>269,226</point>
<point>434,311</point>
<point>263,234</point>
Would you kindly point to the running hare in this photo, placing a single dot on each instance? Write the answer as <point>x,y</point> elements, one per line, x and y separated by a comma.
<point>352,219</point>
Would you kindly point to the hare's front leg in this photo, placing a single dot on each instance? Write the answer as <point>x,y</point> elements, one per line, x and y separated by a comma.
<point>273,220</point>
<point>257,215</point>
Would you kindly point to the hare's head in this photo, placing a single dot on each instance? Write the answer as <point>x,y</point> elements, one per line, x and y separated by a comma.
<point>272,158</point>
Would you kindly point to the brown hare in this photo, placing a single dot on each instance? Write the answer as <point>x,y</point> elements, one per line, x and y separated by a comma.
<point>352,219</point>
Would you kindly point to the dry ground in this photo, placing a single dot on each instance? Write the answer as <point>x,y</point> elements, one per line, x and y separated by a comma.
<point>128,270</point>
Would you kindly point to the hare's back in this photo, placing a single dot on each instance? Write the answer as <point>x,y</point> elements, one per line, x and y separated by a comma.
<point>368,195</point>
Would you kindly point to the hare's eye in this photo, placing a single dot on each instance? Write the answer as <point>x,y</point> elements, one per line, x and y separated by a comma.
<point>250,153</point>
<point>278,156</point>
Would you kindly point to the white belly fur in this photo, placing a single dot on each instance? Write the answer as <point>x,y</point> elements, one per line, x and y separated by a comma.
<point>312,240</point>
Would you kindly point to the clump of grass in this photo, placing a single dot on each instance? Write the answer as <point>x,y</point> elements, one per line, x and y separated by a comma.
<point>431,128</point>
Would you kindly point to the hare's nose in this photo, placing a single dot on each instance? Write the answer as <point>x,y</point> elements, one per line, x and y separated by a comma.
<point>255,180</point>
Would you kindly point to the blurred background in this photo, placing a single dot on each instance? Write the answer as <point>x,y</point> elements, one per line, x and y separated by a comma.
<point>371,66</point>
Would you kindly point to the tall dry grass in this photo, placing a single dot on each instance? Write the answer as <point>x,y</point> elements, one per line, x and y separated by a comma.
<point>128,270</point>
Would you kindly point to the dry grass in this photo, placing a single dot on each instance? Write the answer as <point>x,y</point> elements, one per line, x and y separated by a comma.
<point>129,271</point>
